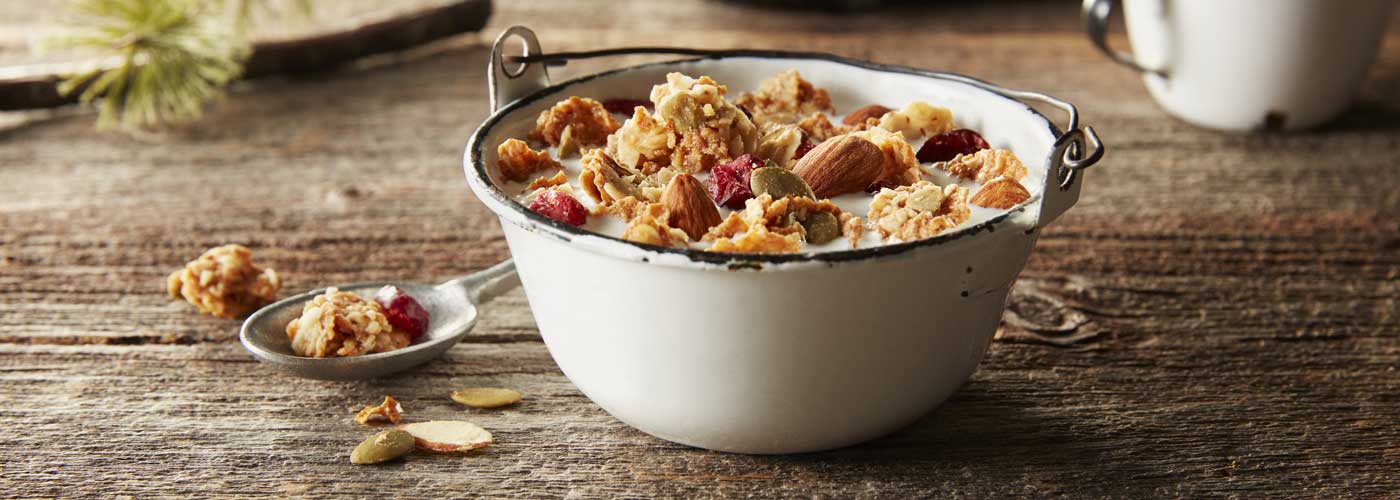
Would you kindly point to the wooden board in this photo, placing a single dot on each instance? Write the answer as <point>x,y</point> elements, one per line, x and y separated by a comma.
<point>1231,300</point>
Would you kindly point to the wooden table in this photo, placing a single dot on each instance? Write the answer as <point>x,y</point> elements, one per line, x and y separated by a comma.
<point>1230,301</point>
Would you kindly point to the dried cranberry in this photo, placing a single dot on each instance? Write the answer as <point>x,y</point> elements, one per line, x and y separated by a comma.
<point>625,106</point>
<point>802,150</point>
<point>945,146</point>
<point>403,312</point>
<point>561,207</point>
<point>729,182</point>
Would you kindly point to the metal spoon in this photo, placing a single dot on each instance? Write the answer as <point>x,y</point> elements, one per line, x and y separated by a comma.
<point>451,314</point>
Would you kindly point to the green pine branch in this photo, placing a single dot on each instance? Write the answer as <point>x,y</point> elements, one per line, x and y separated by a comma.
<point>172,57</point>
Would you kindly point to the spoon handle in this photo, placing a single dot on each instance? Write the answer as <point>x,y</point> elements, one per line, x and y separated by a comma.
<point>488,283</point>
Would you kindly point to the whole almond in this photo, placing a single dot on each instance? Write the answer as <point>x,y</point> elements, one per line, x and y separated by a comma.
<point>840,165</point>
<point>1001,192</point>
<point>859,116</point>
<point>691,209</point>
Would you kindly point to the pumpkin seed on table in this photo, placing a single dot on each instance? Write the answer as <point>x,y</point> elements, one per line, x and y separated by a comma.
<point>821,227</point>
<point>778,182</point>
<point>382,447</point>
<point>486,397</point>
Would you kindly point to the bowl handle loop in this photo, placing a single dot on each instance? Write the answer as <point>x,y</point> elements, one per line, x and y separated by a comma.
<point>508,81</point>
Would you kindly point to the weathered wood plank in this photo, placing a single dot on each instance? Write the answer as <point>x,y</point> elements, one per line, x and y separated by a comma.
<point>1235,329</point>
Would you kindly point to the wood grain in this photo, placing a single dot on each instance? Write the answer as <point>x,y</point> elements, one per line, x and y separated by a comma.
<point>1218,316</point>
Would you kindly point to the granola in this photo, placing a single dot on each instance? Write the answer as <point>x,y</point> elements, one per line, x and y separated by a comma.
<point>708,129</point>
<point>338,323</point>
<point>985,165</point>
<point>785,98</point>
<point>734,155</point>
<point>918,211</point>
<point>223,282</point>
<point>518,162</point>
<point>574,122</point>
<point>643,143</point>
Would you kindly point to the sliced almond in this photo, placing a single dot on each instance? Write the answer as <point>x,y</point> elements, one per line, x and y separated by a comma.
<point>859,116</point>
<point>691,209</point>
<point>447,435</point>
<point>486,397</point>
<point>1001,192</point>
<point>840,165</point>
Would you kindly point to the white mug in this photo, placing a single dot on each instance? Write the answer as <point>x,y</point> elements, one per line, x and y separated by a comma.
<point>1246,65</point>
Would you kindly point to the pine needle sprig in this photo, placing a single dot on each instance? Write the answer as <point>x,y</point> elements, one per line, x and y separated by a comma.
<point>172,57</point>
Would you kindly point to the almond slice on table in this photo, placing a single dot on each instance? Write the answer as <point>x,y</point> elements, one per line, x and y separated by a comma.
<point>447,435</point>
<point>486,397</point>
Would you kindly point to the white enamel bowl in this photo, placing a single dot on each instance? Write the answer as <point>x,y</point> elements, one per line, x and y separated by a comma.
<point>776,354</point>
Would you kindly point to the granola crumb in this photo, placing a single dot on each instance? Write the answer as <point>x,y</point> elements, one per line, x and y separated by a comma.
<point>918,211</point>
<point>650,226</point>
<point>604,180</point>
<point>784,98</point>
<point>759,240</point>
<point>339,323</point>
<point>819,127</point>
<point>778,143</point>
<point>776,217</point>
<point>985,165</point>
<point>518,162</point>
<point>559,179</point>
<point>584,121</point>
<point>223,282</point>
<point>388,411</point>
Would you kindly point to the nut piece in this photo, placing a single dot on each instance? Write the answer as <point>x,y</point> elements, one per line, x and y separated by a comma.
<point>985,165</point>
<point>691,209</point>
<point>779,143</point>
<point>517,161</point>
<point>541,182</point>
<point>918,119</point>
<point>382,447</point>
<point>821,227</point>
<point>486,397</point>
<point>388,411</point>
<point>651,225</point>
<point>447,435</point>
<point>585,122</point>
<point>859,116</point>
<point>778,182</point>
<point>844,164</point>
<point>1001,192</point>
<point>224,282</point>
<point>901,166</point>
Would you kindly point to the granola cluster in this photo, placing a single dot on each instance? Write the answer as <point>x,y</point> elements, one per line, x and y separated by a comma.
<point>574,123</point>
<point>919,211</point>
<point>661,171</point>
<point>224,282</point>
<point>339,323</point>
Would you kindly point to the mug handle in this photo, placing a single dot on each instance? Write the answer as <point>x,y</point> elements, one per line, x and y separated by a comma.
<point>1095,14</point>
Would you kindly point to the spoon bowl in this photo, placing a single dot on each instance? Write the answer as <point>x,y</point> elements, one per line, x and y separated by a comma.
<point>452,312</point>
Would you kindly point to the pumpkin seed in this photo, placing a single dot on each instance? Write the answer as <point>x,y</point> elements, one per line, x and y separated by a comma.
<point>821,227</point>
<point>382,447</point>
<point>486,397</point>
<point>778,182</point>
